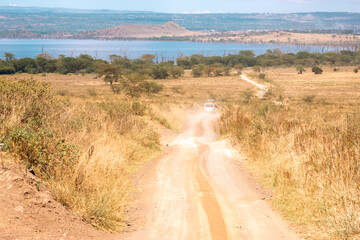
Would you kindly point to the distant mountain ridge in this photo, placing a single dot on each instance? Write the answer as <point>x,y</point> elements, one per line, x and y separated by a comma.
<point>51,21</point>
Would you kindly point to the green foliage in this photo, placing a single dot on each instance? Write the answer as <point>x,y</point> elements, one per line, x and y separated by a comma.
<point>197,70</point>
<point>148,57</point>
<point>317,70</point>
<point>132,84</point>
<point>26,65</point>
<point>184,62</point>
<point>111,73</point>
<point>9,57</point>
<point>151,87</point>
<point>159,72</point>
<point>7,69</point>
<point>41,150</point>
<point>212,65</point>
<point>30,101</point>
<point>176,71</point>
<point>27,110</point>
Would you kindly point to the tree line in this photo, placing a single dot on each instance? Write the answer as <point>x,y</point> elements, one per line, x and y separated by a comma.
<point>129,74</point>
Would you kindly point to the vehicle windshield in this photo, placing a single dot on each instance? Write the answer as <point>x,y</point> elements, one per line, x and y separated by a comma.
<point>209,105</point>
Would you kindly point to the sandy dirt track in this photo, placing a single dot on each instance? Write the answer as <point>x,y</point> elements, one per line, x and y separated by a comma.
<point>200,191</point>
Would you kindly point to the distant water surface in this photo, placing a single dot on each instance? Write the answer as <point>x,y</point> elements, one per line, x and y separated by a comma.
<point>134,49</point>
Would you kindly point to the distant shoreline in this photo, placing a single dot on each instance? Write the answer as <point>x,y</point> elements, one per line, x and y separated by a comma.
<point>341,41</point>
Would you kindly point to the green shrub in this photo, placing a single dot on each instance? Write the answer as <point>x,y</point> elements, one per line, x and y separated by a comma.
<point>151,87</point>
<point>197,70</point>
<point>317,70</point>
<point>159,72</point>
<point>41,150</point>
<point>7,69</point>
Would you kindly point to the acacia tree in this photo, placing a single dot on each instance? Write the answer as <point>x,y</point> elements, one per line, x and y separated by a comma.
<point>111,73</point>
<point>132,84</point>
<point>148,57</point>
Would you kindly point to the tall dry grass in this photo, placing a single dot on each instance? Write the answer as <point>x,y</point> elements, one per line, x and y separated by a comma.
<point>84,148</point>
<point>309,153</point>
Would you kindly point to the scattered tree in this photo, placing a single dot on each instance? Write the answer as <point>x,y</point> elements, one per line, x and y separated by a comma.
<point>132,84</point>
<point>111,73</point>
<point>300,69</point>
<point>317,70</point>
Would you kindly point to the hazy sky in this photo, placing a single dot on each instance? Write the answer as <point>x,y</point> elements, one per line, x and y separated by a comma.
<point>199,6</point>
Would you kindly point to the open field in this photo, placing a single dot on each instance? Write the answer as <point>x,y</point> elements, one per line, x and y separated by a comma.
<point>340,87</point>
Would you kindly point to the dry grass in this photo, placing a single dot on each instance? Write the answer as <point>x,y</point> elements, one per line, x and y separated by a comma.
<point>307,151</point>
<point>103,139</point>
<point>340,87</point>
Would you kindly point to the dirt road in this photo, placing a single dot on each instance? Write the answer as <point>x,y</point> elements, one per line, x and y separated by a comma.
<point>200,191</point>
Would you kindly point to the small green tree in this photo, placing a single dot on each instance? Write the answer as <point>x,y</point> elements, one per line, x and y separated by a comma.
<point>197,70</point>
<point>9,57</point>
<point>317,70</point>
<point>132,84</point>
<point>300,69</point>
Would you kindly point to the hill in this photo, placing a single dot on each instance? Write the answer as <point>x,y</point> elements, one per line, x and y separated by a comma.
<point>169,29</point>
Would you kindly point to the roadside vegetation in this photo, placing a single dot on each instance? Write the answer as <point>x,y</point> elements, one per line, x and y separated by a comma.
<point>306,149</point>
<point>83,145</point>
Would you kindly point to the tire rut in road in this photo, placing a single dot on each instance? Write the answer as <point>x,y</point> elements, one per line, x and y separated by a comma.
<point>209,202</point>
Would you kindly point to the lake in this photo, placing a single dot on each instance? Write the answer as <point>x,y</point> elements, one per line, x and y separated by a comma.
<point>134,49</point>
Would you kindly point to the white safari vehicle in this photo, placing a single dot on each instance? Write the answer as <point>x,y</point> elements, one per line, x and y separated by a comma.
<point>210,106</point>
